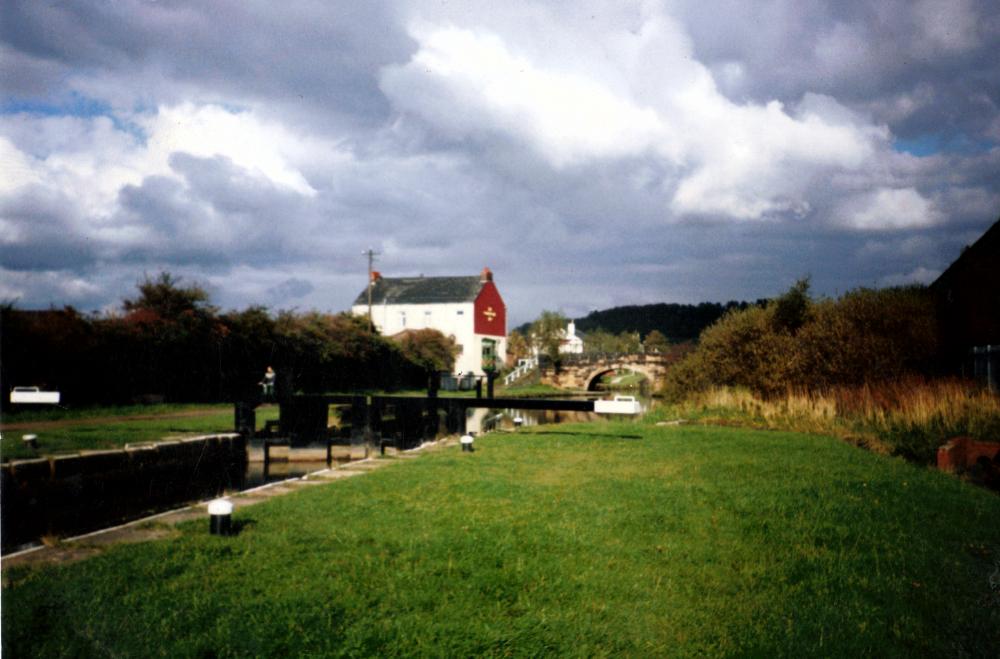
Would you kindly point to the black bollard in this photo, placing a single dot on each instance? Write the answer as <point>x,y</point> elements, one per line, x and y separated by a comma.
<point>220,514</point>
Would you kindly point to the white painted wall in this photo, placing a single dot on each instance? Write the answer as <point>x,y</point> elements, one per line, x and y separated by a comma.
<point>451,319</point>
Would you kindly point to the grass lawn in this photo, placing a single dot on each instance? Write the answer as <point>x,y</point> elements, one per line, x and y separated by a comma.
<point>532,391</point>
<point>588,540</point>
<point>107,428</point>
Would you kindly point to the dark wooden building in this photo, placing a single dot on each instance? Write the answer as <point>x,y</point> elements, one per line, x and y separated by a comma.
<point>968,297</point>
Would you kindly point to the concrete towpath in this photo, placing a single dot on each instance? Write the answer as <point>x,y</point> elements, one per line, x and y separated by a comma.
<point>163,525</point>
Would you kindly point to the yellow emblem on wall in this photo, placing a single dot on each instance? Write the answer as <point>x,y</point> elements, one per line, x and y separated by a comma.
<point>490,314</point>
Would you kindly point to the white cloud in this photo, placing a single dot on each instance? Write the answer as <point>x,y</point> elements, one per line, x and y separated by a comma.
<point>265,149</point>
<point>471,82</point>
<point>16,168</point>
<point>652,100</point>
<point>889,208</point>
<point>92,159</point>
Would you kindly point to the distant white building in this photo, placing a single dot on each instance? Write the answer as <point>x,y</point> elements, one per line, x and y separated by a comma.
<point>469,309</point>
<point>571,344</point>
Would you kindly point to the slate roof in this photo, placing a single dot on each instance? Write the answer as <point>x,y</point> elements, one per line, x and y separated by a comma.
<point>422,290</point>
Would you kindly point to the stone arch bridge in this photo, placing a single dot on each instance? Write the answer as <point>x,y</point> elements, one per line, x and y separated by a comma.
<point>585,371</point>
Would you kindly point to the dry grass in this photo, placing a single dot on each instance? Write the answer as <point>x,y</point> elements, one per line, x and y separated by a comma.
<point>910,417</point>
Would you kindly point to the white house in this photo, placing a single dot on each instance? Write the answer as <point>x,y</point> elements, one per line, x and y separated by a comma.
<point>469,309</point>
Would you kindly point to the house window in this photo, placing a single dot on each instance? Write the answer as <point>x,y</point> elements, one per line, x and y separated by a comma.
<point>489,355</point>
<point>402,318</point>
<point>459,312</point>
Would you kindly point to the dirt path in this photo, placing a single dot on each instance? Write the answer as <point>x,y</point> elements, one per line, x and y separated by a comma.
<point>90,420</point>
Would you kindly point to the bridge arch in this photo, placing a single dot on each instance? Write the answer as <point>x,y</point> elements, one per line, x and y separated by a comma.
<point>595,375</point>
<point>579,372</point>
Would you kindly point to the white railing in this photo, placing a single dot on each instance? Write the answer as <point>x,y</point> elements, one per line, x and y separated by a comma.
<point>524,366</point>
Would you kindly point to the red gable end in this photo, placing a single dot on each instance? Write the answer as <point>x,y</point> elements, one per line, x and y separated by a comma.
<point>491,314</point>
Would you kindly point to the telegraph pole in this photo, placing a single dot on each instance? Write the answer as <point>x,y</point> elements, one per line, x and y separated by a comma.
<point>371,254</point>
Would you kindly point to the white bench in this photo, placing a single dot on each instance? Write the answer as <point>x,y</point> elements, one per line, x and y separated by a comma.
<point>33,396</point>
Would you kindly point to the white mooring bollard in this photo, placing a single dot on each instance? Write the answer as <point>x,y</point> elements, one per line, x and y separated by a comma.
<point>220,513</point>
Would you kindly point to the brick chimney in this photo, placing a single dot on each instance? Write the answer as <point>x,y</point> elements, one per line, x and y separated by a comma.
<point>485,276</point>
<point>376,275</point>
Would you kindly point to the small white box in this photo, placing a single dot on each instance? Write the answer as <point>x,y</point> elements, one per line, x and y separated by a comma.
<point>620,405</point>
<point>34,395</point>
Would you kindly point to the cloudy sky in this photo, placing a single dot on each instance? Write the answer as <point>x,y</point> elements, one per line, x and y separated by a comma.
<point>592,155</point>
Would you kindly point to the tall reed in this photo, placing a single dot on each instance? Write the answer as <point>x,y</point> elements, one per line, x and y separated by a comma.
<point>909,417</point>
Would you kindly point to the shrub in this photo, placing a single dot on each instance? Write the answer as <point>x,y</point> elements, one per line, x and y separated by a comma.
<point>797,344</point>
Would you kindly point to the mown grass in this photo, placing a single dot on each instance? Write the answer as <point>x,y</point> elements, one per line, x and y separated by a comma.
<point>585,540</point>
<point>910,418</point>
<point>101,431</point>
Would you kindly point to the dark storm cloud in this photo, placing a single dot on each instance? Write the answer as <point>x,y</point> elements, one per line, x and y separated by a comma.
<point>290,289</point>
<point>311,61</point>
<point>922,67</point>
<point>41,234</point>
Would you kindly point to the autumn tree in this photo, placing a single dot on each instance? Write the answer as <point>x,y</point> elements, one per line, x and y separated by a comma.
<point>547,333</point>
<point>866,336</point>
<point>517,347</point>
<point>656,342</point>
<point>599,341</point>
<point>165,296</point>
<point>429,349</point>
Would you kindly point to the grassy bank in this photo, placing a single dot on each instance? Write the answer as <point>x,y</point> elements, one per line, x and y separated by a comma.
<point>910,418</point>
<point>109,428</point>
<point>590,540</point>
<point>49,413</point>
<point>532,391</point>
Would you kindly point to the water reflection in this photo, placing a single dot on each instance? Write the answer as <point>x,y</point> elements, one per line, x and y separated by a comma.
<point>286,462</point>
<point>481,420</point>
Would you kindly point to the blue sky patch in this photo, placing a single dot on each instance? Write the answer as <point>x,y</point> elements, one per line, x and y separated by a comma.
<point>931,144</point>
<point>72,105</point>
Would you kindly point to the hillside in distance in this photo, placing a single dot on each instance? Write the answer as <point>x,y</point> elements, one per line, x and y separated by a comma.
<point>678,322</point>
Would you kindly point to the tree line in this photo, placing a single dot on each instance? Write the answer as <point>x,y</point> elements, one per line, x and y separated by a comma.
<point>677,322</point>
<point>170,343</point>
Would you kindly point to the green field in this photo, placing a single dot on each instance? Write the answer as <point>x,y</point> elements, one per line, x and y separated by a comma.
<point>586,540</point>
<point>114,427</point>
